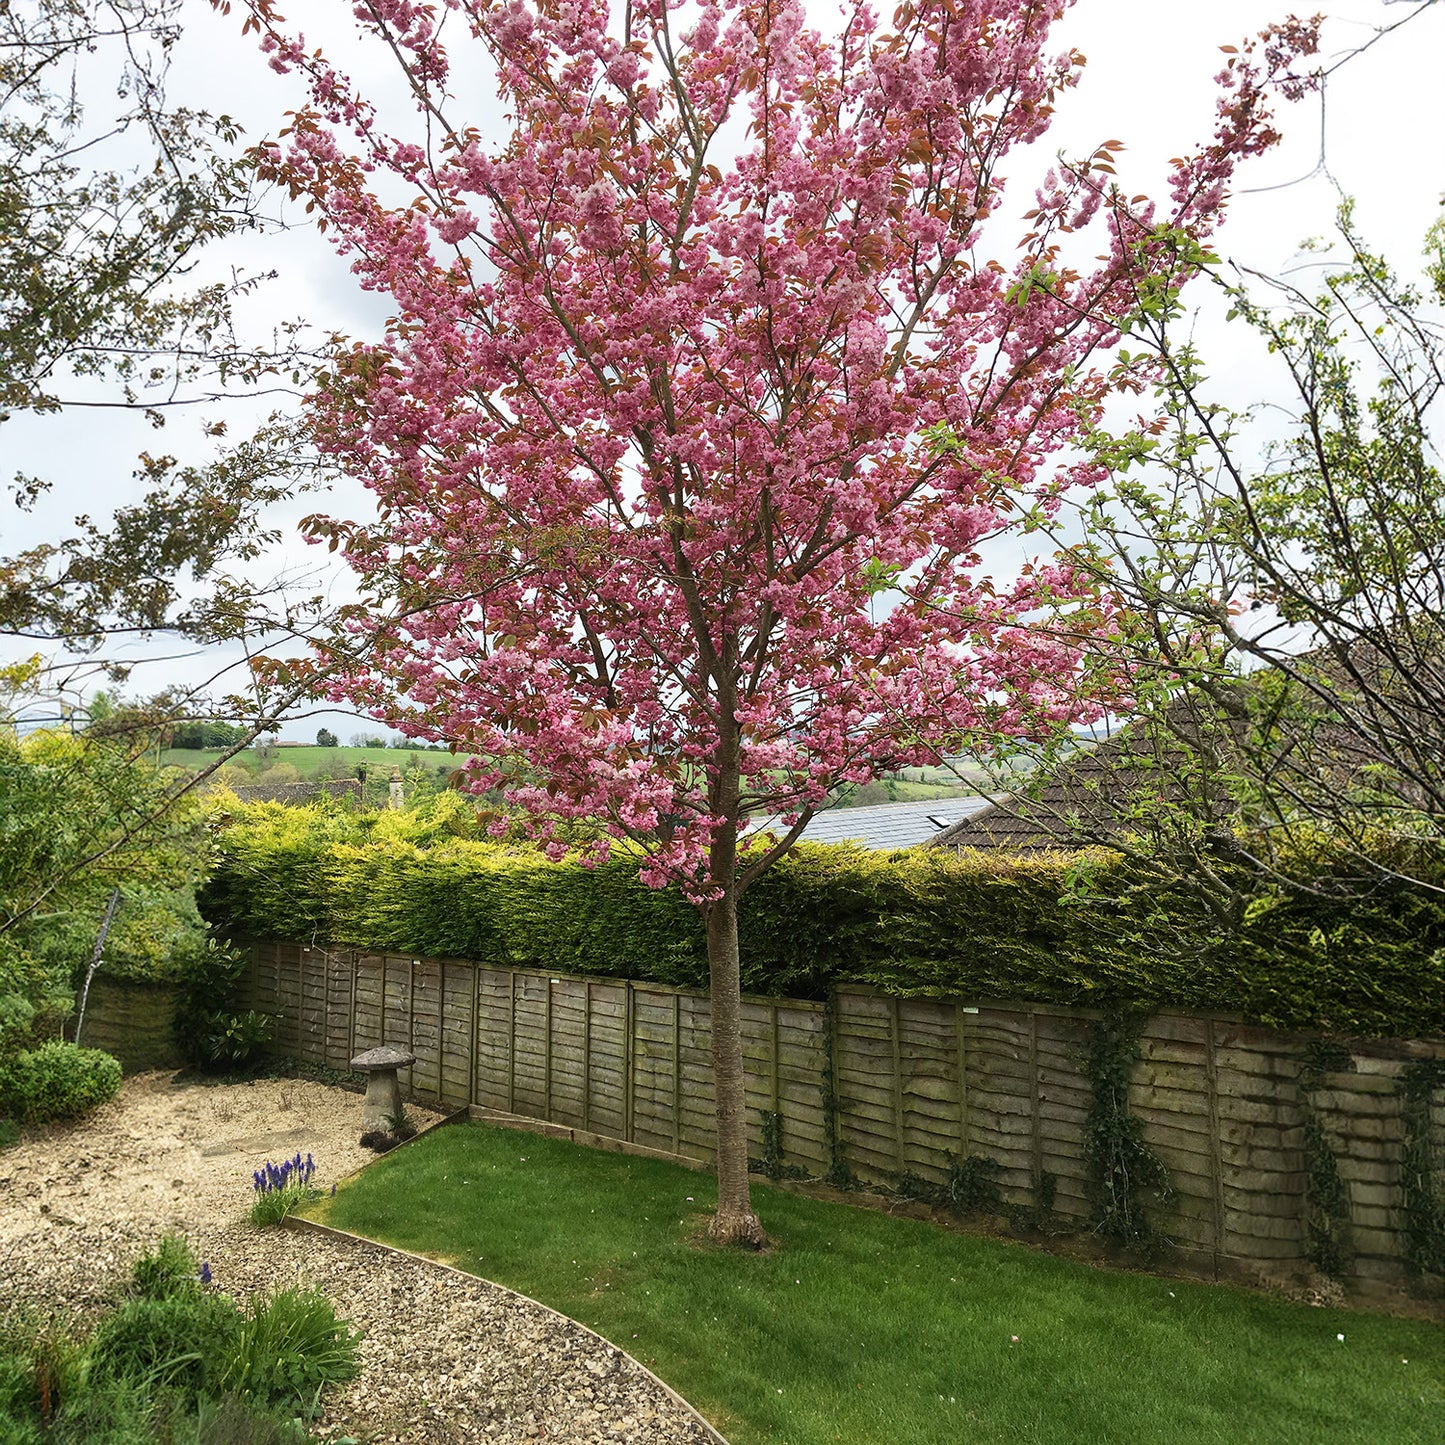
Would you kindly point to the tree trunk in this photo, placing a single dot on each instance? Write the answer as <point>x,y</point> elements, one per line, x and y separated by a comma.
<point>735,1222</point>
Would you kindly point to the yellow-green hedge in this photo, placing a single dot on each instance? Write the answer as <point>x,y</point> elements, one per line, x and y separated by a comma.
<point>918,922</point>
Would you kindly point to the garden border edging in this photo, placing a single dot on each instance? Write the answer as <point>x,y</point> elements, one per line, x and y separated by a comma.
<point>313,1226</point>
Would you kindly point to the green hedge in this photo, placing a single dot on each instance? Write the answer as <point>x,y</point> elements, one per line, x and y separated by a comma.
<point>916,922</point>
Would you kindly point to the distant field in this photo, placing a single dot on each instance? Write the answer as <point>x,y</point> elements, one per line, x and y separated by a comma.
<point>308,758</point>
<point>901,790</point>
<point>914,785</point>
<point>910,785</point>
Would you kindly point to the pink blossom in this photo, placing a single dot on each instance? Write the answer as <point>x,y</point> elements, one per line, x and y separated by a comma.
<point>688,445</point>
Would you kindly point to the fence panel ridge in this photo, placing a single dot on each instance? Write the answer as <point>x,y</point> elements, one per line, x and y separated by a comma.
<point>939,1097</point>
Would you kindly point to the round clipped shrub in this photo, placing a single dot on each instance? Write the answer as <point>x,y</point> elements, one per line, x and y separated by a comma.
<point>59,1081</point>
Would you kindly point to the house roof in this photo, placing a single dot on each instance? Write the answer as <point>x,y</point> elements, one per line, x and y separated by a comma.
<point>1101,791</point>
<point>890,825</point>
<point>1017,825</point>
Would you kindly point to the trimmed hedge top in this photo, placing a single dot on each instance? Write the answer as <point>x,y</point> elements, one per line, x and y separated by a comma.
<point>925,921</point>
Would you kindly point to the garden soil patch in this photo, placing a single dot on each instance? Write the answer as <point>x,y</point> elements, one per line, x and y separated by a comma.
<point>445,1358</point>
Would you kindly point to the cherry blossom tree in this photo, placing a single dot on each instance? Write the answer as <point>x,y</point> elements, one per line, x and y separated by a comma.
<point>703,399</point>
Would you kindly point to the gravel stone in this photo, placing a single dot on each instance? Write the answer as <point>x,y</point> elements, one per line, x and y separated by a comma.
<point>447,1359</point>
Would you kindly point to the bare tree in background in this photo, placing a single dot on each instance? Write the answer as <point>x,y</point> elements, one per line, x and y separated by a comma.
<point>1283,575</point>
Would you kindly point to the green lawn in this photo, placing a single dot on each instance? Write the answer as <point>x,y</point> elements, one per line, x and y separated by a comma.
<point>871,1330</point>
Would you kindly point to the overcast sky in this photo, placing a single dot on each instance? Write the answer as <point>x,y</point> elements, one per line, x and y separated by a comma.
<point>1148,83</point>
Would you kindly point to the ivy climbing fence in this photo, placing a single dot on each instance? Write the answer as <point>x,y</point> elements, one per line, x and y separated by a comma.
<point>1266,1149</point>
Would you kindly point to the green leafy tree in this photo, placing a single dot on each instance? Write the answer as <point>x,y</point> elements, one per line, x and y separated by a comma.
<point>207,734</point>
<point>106,207</point>
<point>69,835</point>
<point>1283,589</point>
<point>110,194</point>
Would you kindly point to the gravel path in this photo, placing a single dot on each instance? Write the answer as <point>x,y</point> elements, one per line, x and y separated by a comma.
<point>446,1357</point>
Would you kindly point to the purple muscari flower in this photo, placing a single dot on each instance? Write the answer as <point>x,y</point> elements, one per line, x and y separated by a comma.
<point>204,1273</point>
<point>333,1191</point>
<point>296,1172</point>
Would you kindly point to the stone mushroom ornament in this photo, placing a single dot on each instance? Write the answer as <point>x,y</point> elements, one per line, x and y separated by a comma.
<point>383,1090</point>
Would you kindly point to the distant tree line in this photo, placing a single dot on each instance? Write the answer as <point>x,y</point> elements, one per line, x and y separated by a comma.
<point>397,743</point>
<point>207,735</point>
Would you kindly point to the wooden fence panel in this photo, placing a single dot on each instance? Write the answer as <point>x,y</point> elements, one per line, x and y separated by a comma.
<point>568,1045</point>
<point>654,1067</point>
<point>1171,1098</point>
<point>311,1013</point>
<point>760,1067</point>
<point>458,1030</point>
<point>288,998</point>
<point>369,1028</point>
<point>916,1085</point>
<point>339,966</point>
<point>1261,1145</point>
<point>802,1058</point>
<point>865,1083</point>
<point>492,1057</point>
<point>928,1102</point>
<point>258,986</point>
<point>395,1016</point>
<point>531,1029</point>
<point>1001,1099</point>
<point>697,1121</point>
<point>1359,1111</point>
<point>1064,1100</point>
<point>426,1026</point>
<point>265,982</point>
<point>608,1058</point>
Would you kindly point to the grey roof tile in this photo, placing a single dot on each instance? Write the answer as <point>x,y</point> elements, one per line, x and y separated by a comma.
<point>890,825</point>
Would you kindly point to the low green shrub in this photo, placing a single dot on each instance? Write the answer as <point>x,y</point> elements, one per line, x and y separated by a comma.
<point>174,1364</point>
<point>232,1421</point>
<point>58,1081</point>
<point>184,1342</point>
<point>290,1345</point>
<point>128,1412</point>
<point>230,1043</point>
<point>169,1270</point>
<point>43,1363</point>
<point>17,1394</point>
<point>26,1023</point>
<point>17,1018</point>
<point>109,1411</point>
<point>214,1032</point>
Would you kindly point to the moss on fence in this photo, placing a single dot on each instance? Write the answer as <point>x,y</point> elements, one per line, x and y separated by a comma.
<point>917,922</point>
